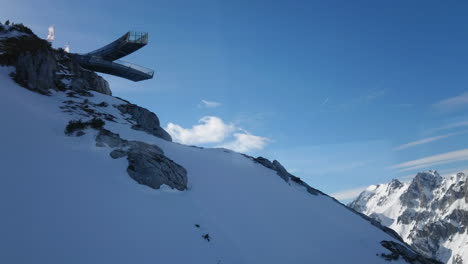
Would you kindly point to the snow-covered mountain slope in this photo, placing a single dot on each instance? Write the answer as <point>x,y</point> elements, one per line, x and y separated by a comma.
<point>75,197</point>
<point>430,212</point>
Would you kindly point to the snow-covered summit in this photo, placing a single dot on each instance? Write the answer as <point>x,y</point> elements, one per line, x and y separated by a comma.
<point>91,178</point>
<point>430,212</point>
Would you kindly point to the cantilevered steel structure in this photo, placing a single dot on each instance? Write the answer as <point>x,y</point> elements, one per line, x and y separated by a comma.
<point>105,59</point>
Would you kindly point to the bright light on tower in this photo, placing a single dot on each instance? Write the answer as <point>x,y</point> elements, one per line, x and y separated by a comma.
<point>51,35</point>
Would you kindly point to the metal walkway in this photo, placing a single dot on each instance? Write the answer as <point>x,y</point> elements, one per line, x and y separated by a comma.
<point>105,59</point>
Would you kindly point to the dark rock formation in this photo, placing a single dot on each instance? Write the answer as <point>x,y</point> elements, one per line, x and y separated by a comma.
<point>147,164</point>
<point>283,173</point>
<point>154,170</point>
<point>419,191</point>
<point>398,251</point>
<point>145,120</point>
<point>456,191</point>
<point>276,166</point>
<point>36,72</point>
<point>407,216</point>
<point>40,68</point>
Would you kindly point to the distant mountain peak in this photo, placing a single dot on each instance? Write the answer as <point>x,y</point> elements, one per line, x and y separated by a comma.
<point>429,212</point>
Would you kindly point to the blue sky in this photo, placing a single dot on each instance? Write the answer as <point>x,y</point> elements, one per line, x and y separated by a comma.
<point>344,93</point>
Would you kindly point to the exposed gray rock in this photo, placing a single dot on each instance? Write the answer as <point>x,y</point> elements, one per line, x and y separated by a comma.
<point>455,191</point>
<point>110,139</point>
<point>407,216</point>
<point>276,166</point>
<point>419,192</point>
<point>118,153</point>
<point>155,170</point>
<point>265,163</point>
<point>36,72</point>
<point>145,120</point>
<point>283,173</point>
<point>147,164</point>
<point>438,232</point>
<point>41,68</point>
<point>394,185</point>
<point>398,251</point>
<point>460,217</point>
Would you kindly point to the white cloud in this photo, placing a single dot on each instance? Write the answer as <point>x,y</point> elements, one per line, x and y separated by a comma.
<point>425,141</point>
<point>211,129</point>
<point>209,104</point>
<point>453,103</point>
<point>453,125</point>
<point>246,142</point>
<point>430,161</point>
<point>348,194</point>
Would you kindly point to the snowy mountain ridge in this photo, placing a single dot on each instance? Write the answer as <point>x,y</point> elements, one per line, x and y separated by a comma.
<point>430,212</point>
<point>91,178</point>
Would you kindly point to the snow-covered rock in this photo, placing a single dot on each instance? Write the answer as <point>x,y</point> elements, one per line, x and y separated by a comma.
<point>429,212</point>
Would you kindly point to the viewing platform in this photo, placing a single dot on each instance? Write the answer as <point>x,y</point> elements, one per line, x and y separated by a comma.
<point>106,59</point>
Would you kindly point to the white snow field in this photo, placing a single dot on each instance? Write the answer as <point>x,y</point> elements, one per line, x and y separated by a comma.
<point>64,200</point>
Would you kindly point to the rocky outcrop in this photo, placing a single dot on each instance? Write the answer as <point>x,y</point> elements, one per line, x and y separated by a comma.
<point>147,164</point>
<point>394,185</point>
<point>283,173</point>
<point>144,120</point>
<point>398,251</point>
<point>276,166</point>
<point>37,72</point>
<point>419,192</point>
<point>41,68</point>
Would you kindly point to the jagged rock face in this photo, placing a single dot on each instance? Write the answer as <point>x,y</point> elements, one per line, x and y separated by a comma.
<point>147,164</point>
<point>398,251</point>
<point>394,185</point>
<point>36,72</point>
<point>283,173</point>
<point>420,190</point>
<point>155,170</point>
<point>276,166</point>
<point>41,68</point>
<point>57,71</point>
<point>88,80</point>
<point>145,120</point>
<point>430,213</point>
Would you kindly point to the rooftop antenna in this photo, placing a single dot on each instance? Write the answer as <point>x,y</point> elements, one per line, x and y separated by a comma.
<point>51,35</point>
